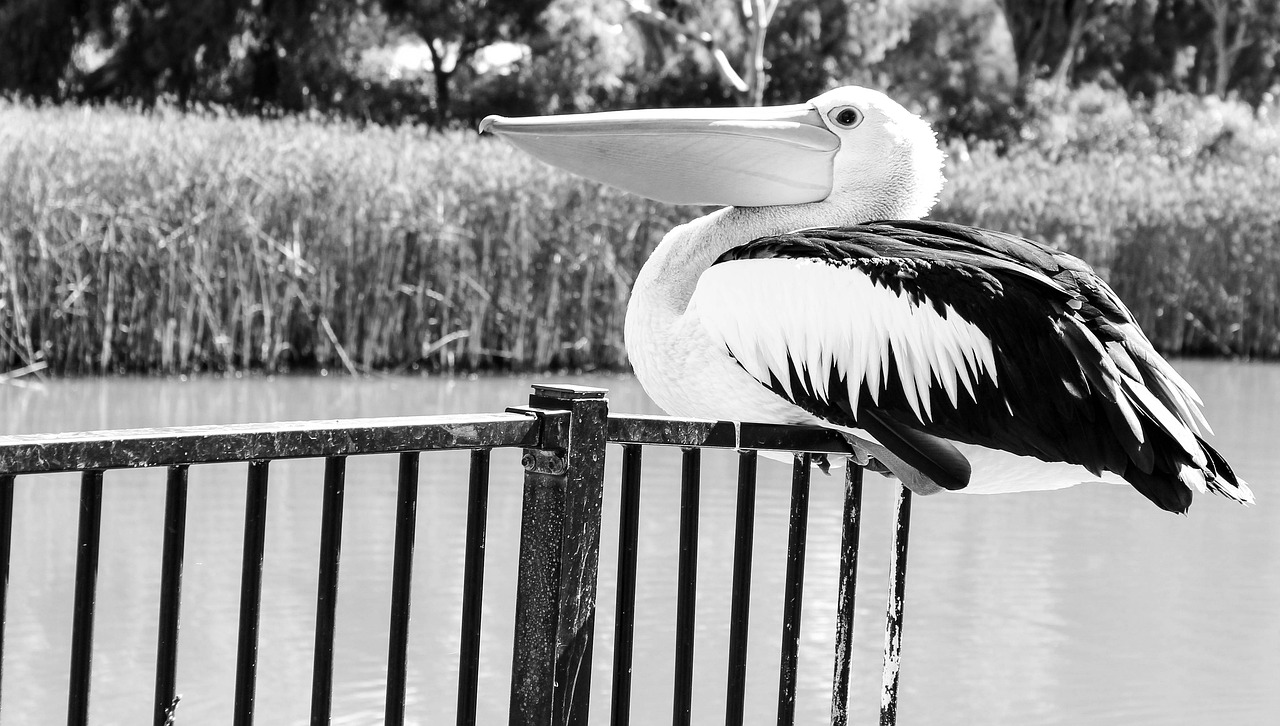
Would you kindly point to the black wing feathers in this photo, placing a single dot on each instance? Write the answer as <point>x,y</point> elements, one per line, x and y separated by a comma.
<point>1061,341</point>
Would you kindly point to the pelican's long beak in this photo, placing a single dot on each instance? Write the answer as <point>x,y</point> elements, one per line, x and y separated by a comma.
<point>747,157</point>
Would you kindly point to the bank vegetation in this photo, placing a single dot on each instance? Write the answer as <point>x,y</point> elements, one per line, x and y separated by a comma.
<point>167,242</point>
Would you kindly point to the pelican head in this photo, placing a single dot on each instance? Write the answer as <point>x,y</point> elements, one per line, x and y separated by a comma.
<point>852,150</point>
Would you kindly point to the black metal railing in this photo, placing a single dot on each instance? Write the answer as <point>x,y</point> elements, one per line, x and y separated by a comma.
<point>563,432</point>
<point>748,438</point>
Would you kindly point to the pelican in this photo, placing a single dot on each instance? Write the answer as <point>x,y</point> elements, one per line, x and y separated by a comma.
<point>949,356</point>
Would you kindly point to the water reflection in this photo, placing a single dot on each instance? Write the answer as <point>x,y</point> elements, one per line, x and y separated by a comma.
<point>1081,606</point>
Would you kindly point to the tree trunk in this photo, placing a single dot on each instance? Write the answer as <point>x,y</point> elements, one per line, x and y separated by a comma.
<point>757,78</point>
<point>442,78</point>
<point>1220,64</point>
<point>1062,73</point>
<point>1226,50</point>
<point>1046,36</point>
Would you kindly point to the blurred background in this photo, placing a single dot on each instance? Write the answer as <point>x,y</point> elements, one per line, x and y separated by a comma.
<point>981,69</point>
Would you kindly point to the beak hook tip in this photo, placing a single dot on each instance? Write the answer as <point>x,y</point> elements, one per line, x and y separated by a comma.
<point>486,124</point>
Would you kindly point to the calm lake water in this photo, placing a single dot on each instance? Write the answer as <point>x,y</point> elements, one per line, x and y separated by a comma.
<point>1083,606</point>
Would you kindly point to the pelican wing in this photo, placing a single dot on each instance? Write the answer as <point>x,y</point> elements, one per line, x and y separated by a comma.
<point>921,333</point>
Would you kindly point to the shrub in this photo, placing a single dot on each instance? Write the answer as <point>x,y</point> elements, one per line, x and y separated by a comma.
<point>1181,128</point>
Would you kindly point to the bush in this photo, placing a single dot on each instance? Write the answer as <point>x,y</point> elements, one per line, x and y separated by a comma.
<point>1181,128</point>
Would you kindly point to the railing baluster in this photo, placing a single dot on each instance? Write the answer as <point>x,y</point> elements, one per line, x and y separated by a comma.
<point>686,584</point>
<point>255,530</point>
<point>793,597</point>
<point>6,544</point>
<point>335,468</point>
<point>172,550</point>
<point>845,595</point>
<point>473,587</point>
<point>625,610</point>
<point>401,581</point>
<point>740,603</point>
<point>897,597</point>
<point>90,531</point>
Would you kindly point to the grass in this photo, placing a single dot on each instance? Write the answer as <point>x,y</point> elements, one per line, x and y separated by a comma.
<point>170,243</point>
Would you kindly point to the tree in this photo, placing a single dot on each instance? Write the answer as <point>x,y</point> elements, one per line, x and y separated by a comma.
<point>155,47</point>
<point>455,30</point>
<point>37,39</point>
<point>1047,35</point>
<point>956,69</point>
<point>1236,27</point>
<point>808,43</point>
<point>584,57</point>
<point>1219,47</point>
<point>673,27</point>
<point>254,54</point>
<point>816,44</point>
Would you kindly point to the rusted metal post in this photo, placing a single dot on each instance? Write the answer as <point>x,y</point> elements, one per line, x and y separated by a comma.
<point>687,585</point>
<point>401,587</point>
<point>335,475</point>
<point>897,598</point>
<point>255,539</point>
<point>559,554</point>
<point>175,543</point>
<point>793,594</point>
<point>473,587</point>
<point>6,544</point>
<point>849,535</point>
<point>85,596</point>
<point>625,600</point>
<point>740,596</point>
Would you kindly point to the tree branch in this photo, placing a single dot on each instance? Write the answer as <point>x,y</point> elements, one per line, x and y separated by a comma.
<point>683,32</point>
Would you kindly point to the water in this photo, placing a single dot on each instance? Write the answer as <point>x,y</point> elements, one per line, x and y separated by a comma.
<point>1081,606</point>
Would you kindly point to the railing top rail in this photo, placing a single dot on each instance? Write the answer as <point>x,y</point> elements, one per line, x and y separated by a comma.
<point>671,431</point>
<point>130,448</point>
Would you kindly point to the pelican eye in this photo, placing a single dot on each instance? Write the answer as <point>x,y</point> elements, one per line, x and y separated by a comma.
<point>845,116</point>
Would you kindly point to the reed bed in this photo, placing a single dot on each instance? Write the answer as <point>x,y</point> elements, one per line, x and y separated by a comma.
<point>178,243</point>
<point>1192,248</point>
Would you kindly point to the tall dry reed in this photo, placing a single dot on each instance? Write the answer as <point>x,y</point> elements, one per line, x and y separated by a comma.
<point>176,243</point>
<point>1192,248</point>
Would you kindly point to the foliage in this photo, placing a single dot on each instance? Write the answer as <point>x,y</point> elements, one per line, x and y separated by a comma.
<point>171,242</point>
<point>455,30</point>
<point>816,45</point>
<point>582,59</point>
<point>1218,47</point>
<point>977,68</point>
<point>1047,34</point>
<point>774,51</point>
<point>37,41</point>
<point>1180,128</point>
<point>953,69</point>
<point>254,55</point>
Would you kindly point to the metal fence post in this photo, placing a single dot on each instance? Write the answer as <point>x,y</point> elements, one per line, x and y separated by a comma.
<point>559,554</point>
